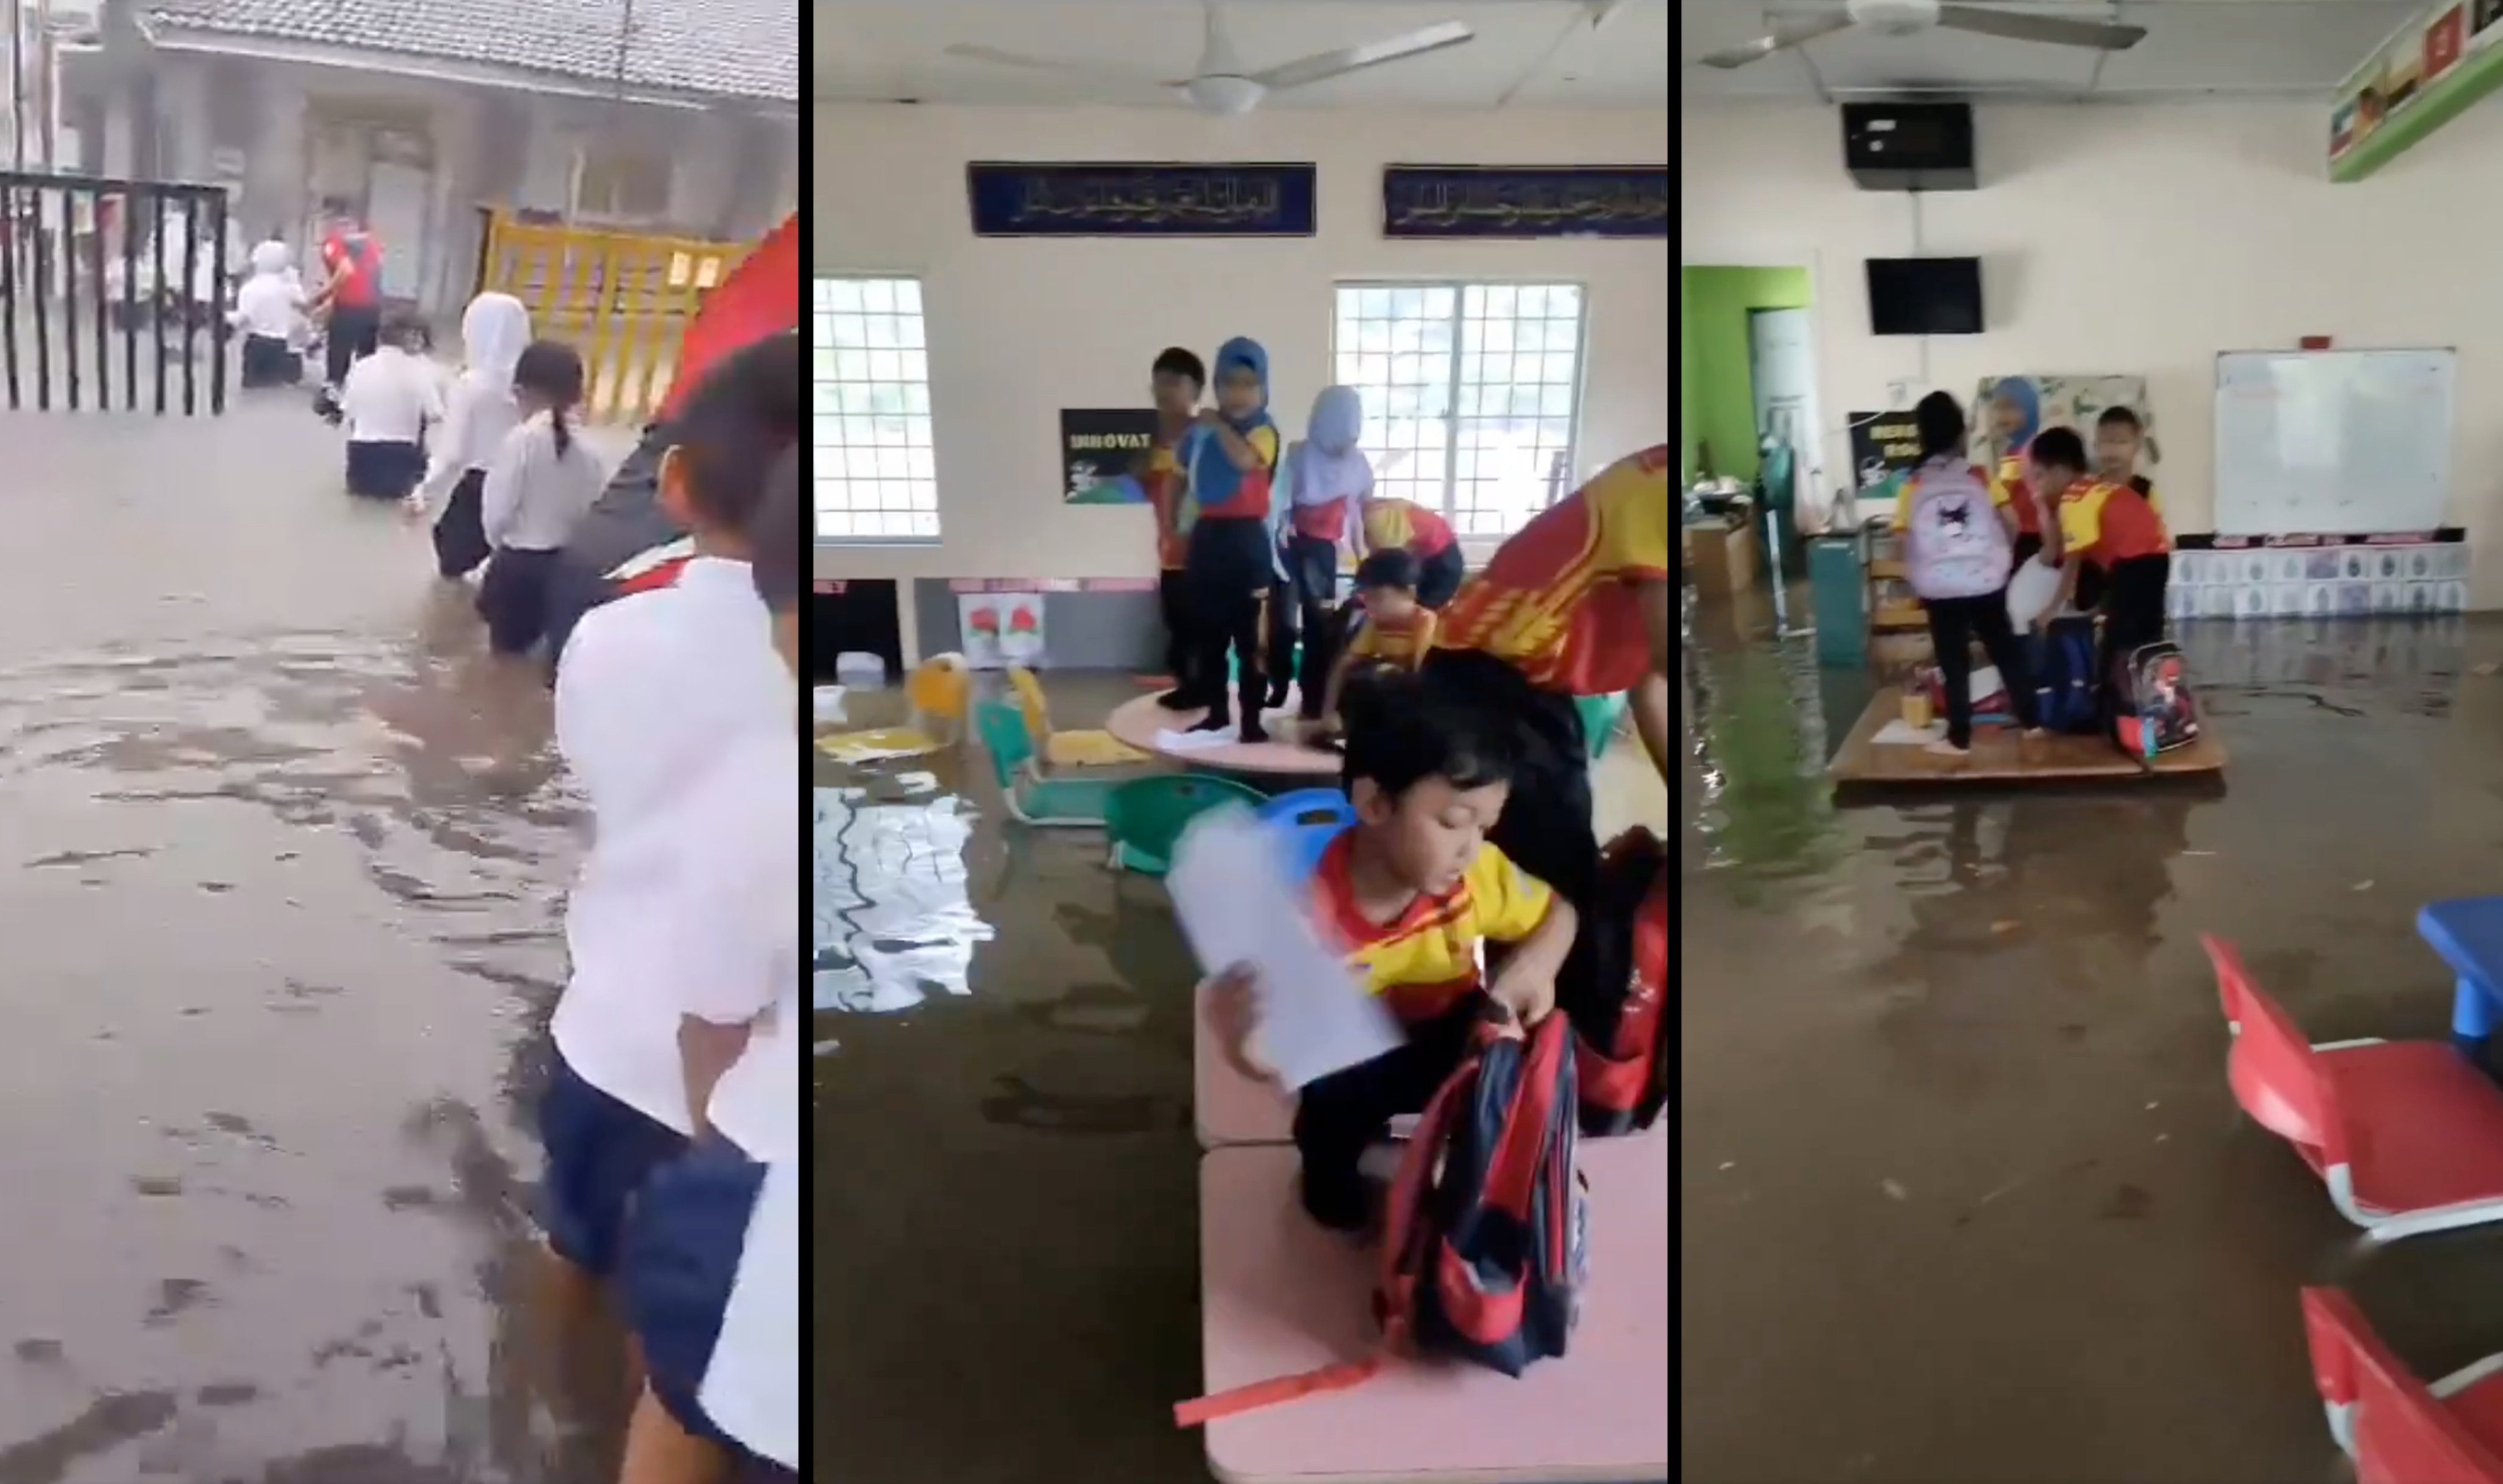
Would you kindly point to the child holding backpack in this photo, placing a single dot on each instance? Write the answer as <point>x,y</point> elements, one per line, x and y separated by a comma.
<point>1959,534</point>
<point>1409,892</point>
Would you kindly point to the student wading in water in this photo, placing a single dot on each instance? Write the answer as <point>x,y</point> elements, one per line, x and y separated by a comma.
<point>1958,550</point>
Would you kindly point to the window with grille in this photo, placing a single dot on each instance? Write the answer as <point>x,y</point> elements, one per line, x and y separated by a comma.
<point>875,479</point>
<point>1471,392</point>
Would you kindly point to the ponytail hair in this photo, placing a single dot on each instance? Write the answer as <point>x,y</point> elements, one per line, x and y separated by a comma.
<point>550,373</point>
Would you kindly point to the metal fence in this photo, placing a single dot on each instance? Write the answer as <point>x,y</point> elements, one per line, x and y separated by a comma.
<point>113,295</point>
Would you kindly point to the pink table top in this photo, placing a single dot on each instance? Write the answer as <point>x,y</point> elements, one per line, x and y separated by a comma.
<point>1226,1106</point>
<point>1281,1296</point>
<point>1138,721</point>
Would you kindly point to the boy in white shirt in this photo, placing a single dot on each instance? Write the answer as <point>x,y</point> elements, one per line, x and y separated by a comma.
<point>655,687</point>
<point>391,399</point>
<point>269,312</point>
<point>711,1267</point>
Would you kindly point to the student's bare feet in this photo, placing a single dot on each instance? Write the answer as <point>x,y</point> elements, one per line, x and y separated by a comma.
<point>1945,748</point>
<point>659,1451</point>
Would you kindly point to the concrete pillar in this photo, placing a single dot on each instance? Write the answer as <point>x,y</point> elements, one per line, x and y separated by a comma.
<point>182,106</point>
<point>275,161</point>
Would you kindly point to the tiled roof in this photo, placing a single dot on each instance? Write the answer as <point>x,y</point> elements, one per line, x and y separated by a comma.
<point>745,48</point>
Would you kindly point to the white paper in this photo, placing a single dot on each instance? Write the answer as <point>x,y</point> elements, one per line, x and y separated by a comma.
<point>1229,885</point>
<point>2031,591</point>
<point>1899,733</point>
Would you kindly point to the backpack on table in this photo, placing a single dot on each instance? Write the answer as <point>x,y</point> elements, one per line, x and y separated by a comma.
<point>1486,1237</point>
<point>1955,545</point>
<point>2153,712</point>
<point>1620,1018</point>
<point>2066,695</point>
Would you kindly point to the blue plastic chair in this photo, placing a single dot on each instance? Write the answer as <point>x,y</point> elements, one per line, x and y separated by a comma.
<point>1600,715</point>
<point>1308,819</point>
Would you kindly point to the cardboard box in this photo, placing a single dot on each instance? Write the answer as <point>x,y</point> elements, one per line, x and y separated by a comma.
<point>1723,557</point>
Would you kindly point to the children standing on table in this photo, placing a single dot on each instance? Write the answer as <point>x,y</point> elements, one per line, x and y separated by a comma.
<point>536,490</point>
<point>1958,550</point>
<point>1176,384</point>
<point>2119,436</point>
<point>1408,893</point>
<point>2113,530</point>
<point>478,413</point>
<point>390,400</point>
<point>2015,417</point>
<point>1230,567</point>
<point>710,1278</point>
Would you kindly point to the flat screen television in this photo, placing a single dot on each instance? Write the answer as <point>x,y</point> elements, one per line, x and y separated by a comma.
<point>1924,295</point>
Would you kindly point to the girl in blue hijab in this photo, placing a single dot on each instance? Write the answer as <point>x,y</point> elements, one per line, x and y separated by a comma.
<point>1233,459</point>
<point>2015,417</point>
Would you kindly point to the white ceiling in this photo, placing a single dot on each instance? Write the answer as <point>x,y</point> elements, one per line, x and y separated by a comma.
<point>1529,53</point>
<point>2193,48</point>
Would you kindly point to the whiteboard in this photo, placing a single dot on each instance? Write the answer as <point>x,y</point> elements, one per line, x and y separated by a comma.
<point>2333,441</point>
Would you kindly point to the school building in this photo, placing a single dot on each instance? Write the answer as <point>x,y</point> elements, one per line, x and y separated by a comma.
<point>668,117</point>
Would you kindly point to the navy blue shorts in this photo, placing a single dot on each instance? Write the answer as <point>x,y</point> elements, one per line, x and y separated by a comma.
<point>600,1152</point>
<point>681,1259</point>
<point>385,470</point>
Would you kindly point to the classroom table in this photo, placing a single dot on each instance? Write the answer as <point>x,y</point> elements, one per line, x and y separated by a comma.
<point>2468,933</point>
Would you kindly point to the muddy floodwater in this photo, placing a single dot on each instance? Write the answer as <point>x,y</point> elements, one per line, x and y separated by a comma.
<point>282,853</point>
<point>1965,1196</point>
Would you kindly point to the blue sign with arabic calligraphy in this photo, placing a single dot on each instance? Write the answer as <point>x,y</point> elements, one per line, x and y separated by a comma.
<point>1525,202</point>
<point>1141,200</point>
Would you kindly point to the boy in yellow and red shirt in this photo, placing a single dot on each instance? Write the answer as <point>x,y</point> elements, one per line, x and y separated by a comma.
<point>1394,633</point>
<point>2113,529</point>
<point>1390,523</point>
<point>1408,893</point>
<point>1176,384</point>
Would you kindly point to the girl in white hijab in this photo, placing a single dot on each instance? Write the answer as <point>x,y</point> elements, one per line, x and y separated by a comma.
<point>269,311</point>
<point>495,329</point>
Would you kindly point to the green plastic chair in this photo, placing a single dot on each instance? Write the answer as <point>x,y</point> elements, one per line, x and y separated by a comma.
<point>1031,797</point>
<point>1147,816</point>
<point>1599,718</point>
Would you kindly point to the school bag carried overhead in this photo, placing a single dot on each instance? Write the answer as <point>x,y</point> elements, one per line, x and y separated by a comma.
<point>1955,545</point>
<point>1484,1238</point>
<point>2153,712</point>
<point>1620,1018</point>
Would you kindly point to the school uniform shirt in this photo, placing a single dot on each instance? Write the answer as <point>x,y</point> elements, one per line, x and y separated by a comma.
<point>1164,495</point>
<point>268,305</point>
<point>1424,961</point>
<point>478,412</point>
<point>2108,523</point>
<point>535,496</point>
<point>2008,487</point>
<point>1403,525</point>
<point>1245,494</point>
<point>654,690</point>
<point>391,397</point>
<point>1556,602</point>
<point>2145,488</point>
<point>1400,641</point>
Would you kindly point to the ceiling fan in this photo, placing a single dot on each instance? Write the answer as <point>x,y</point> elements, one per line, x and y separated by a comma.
<point>1910,18</point>
<point>1222,84</point>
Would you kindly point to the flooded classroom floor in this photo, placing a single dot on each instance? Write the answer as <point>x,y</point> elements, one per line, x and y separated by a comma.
<point>1006,1167</point>
<point>1964,1198</point>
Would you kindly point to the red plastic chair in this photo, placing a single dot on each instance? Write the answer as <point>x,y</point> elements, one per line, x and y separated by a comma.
<point>2400,1430</point>
<point>2408,1135</point>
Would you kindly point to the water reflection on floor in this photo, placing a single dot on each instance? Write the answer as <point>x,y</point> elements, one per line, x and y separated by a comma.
<point>1965,1196</point>
<point>1007,1169</point>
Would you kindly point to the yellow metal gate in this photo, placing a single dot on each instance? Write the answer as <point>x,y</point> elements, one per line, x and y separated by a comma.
<point>622,298</point>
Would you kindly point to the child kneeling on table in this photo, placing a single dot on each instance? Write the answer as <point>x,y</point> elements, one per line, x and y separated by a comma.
<point>1392,632</point>
<point>2113,529</point>
<point>1408,893</point>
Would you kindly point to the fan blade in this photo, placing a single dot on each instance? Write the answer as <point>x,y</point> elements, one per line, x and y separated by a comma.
<point>2052,30</point>
<point>1103,74</point>
<point>1331,64</point>
<point>1786,35</point>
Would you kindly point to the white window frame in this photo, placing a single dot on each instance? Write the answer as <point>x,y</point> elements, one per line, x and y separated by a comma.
<point>1446,502</point>
<point>831,424</point>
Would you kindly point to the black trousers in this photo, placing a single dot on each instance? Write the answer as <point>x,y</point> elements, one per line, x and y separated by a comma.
<point>1312,568</point>
<point>1339,1117</point>
<point>2133,606</point>
<point>1172,604</point>
<point>354,331</point>
<point>460,531</point>
<point>513,599</point>
<point>1438,576</point>
<point>1230,574</point>
<point>269,361</point>
<point>1954,624</point>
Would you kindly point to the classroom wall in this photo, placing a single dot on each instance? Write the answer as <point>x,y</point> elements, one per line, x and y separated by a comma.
<point>1020,329</point>
<point>2137,239</point>
<point>1720,300</point>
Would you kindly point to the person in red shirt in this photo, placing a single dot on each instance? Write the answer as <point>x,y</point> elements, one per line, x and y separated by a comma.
<point>351,292</point>
<point>2112,528</point>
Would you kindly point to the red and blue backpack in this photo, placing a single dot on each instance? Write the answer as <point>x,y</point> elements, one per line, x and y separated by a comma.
<point>1485,1245</point>
<point>1620,1015</point>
